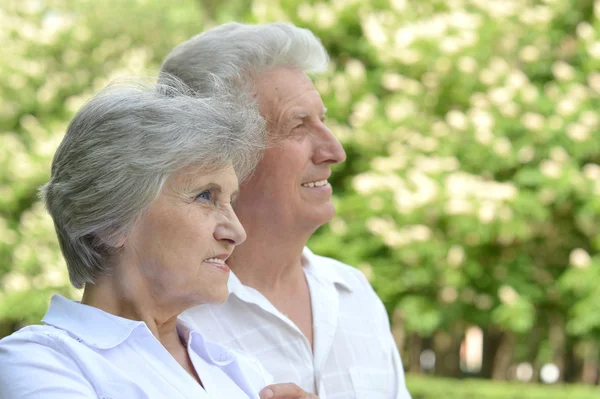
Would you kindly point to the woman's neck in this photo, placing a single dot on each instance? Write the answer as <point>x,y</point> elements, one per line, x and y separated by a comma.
<point>128,297</point>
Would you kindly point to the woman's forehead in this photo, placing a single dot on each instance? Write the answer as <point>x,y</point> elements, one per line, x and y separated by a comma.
<point>193,177</point>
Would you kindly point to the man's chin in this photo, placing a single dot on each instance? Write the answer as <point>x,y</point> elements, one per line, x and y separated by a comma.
<point>321,215</point>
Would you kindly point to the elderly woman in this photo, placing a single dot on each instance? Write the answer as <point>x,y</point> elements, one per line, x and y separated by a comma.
<point>141,194</point>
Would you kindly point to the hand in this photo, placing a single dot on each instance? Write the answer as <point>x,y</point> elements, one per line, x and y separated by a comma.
<point>285,391</point>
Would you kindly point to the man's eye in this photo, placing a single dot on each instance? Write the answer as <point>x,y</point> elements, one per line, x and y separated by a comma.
<point>205,196</point>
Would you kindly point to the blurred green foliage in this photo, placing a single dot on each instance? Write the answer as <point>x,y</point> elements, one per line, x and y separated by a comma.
<point>434,388</point>
<point>471,193</point>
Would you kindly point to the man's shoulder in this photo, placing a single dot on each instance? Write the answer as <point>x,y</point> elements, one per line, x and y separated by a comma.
<point>354,289</point>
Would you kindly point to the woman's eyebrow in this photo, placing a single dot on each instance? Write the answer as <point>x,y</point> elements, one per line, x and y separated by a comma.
<point>215,188</point>
<point>193,189</point>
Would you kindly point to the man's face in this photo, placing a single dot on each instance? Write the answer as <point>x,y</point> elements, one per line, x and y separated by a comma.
<point>289,187</point>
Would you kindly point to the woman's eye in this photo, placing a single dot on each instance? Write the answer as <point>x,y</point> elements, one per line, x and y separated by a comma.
<point>205,195</point>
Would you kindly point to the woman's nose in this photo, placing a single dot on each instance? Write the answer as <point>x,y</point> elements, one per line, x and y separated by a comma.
<point>230,230</point>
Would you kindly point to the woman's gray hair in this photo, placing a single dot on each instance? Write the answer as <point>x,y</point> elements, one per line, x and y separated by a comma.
<point>121,147</point>
<point>236,52</point>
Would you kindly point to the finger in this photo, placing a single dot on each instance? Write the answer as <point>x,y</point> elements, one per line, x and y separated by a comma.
<point>267,393</point>
<point>283,391</point>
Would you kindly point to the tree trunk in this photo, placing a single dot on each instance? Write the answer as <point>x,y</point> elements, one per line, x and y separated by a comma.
<point>573,363</point>
<point>491,342</point>
<point>534,339</point>
<point>557,338</point>
<point>504,356</point>
<point>447,351</point>
<point>589,374</point>
<point>399,333</point>
<point>414,353</point>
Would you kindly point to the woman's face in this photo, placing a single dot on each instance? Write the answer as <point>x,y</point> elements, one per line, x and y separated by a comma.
<point>181,242</point>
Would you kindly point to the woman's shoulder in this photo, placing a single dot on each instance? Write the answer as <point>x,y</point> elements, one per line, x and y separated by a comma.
<point>41,354</point>
<point>36,344</point>
<point>34,335</point>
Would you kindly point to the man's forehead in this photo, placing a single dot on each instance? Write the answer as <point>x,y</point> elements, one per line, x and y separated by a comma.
<point>282,85</point>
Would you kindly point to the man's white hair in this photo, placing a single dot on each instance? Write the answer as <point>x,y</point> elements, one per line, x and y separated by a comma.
<point>236,53</point>
<point>121,147</point>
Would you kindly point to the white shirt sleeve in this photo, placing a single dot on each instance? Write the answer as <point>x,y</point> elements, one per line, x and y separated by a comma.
<point>33,366</point>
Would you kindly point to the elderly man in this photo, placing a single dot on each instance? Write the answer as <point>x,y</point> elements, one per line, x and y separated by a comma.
<point>308,319</point>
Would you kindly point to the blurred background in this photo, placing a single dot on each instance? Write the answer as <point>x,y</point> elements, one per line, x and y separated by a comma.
<point>471,193</point>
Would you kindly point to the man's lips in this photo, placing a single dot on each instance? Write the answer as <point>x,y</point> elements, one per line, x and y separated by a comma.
<point>316,183</point>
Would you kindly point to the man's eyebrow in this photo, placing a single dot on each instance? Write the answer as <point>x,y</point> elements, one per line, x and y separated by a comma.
<point>300,116</point>
<point>304,115</point>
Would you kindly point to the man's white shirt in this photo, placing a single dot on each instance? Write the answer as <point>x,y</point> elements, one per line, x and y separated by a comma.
<point>354,356</point>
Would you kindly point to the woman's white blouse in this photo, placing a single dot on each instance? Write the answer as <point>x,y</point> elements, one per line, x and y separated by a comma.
<point>84,352</point>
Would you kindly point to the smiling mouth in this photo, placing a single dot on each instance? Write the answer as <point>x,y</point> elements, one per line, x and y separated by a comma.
<point>218,262</point>
<point>319,183</point>
<point>215,260</point>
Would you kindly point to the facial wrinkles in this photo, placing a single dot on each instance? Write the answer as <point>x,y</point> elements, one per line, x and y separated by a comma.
<point>283,94</point>
<point>302,109</point>
<point>157,269</point>
<point>277,102</point>
<point>185,187</point>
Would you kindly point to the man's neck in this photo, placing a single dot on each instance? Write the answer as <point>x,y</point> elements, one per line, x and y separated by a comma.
<point>268,262</point>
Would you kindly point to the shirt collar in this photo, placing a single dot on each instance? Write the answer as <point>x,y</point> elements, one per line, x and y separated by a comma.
<point>323,268</point>
<point>88,324</point>
<point>313,264</point>
<point>103,330</point>
<point>207,350</point>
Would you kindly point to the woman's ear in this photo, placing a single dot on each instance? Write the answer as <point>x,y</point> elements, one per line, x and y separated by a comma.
<point>113,240</point>
<point>120,242</point>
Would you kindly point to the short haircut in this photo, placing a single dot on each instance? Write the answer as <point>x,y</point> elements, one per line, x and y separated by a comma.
<point>236,53</point>
<point>121,147</point>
